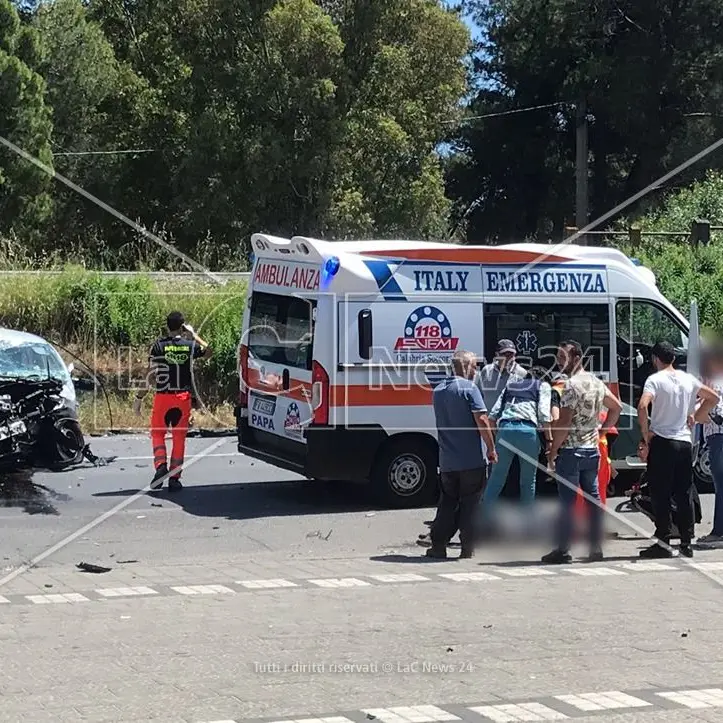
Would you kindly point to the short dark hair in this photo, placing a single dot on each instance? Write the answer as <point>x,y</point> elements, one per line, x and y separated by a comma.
<point>539,372</point>
<point>664,351</point>
<point>175,321</point>
<point>574,347</point>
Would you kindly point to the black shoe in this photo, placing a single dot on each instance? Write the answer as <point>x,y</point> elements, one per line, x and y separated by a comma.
<point>595,555</point>
<point>157,481</point>
<point>424,541</point>
<point>686,550</point>
<point>174,484</point>
<point>557,557</point>
<point>466,554</point>
<point>656,552</point>
<point>436,553</point>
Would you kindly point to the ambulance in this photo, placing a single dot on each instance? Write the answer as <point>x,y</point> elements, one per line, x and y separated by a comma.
<point>343,342</point>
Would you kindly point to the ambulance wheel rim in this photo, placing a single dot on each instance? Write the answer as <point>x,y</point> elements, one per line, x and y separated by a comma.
<point>406,474</point>
<point>703,464</point>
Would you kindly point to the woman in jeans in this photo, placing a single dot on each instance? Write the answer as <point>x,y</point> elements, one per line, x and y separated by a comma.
<point>521,413</point>
<point>714,438</point>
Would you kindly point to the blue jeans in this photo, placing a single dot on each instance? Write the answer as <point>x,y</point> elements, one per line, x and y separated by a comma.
<point>579,468</point>
<point>715,452</point>
<point>511,437</point>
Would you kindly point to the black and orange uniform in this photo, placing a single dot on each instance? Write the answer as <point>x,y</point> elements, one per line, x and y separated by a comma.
<point>172,358</point>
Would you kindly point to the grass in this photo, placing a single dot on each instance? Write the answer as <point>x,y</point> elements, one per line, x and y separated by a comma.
<point>106,326</point>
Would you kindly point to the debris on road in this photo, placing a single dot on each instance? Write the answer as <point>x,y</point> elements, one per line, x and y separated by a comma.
<point>140,517</point>
<point>88,567</point>
<point>450,650</point>
<point>156,504</point>
<point>370,514</point>
<point>126,562</point>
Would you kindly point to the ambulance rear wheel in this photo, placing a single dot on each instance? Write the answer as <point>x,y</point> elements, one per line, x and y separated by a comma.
<point>405,474</point>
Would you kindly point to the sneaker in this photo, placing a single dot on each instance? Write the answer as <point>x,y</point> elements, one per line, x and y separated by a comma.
<point>157,481</point>
<point>595,555</point>
<point>437,553</point>
<point>557,557</point>
<point>655,552</point>
<point>424,541</point>
<point>174,484</point>
<point>710,541</point>
<point>686,550</point>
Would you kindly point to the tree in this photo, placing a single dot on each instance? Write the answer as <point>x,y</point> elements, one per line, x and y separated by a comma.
<point>642,66</point>
<point>25,121</point>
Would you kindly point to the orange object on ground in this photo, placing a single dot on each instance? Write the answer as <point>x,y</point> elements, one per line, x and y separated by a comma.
<point>604,473</point>
<point>170,409</point>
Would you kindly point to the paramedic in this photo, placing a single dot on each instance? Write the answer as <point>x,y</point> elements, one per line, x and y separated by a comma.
<point>493,378</point>
<point>171,361</point>
<point>666,436</point>
<point>461,419</point>
<point>574,449</point>
<point>521,414</point>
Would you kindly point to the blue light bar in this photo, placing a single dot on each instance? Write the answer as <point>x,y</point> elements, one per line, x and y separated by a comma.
<point>332,265</point>
<point>637,262</point>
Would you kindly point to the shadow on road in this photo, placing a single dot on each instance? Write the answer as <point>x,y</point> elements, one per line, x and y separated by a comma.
<point>17,489</point>
<point>263,499</point>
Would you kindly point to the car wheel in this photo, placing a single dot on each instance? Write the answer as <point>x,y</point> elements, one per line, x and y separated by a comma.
<point>701,471</point>
<point>405,474</point>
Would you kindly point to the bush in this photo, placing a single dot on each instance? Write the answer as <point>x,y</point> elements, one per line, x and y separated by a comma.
<point>111,322</point>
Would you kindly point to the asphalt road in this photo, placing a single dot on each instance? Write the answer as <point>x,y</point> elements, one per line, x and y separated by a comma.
<point>256,595</point>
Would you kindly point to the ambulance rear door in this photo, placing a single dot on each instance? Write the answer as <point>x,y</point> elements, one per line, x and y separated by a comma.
<point>280,350</point>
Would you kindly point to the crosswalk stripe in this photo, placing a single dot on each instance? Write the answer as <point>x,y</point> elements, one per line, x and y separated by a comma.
<point>126,591</point>
<point>595,571</point>
<point>524,571</point>
<point>706,698</point>
<point>203,589</point>
<point>468,576</point>
<point>519,712</point>
<point>400,577</point>
<point>263,584</point>
<point>340,582</point>
<point>609,700</point>
<point>411,714</point>
<point>67,597</point>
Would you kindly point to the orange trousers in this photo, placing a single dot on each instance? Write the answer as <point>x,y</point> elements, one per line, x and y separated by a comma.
<point>170,409</point>
<point>604,472</point>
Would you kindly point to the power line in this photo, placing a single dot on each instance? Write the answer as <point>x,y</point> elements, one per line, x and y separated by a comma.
<point>509,112</point>
<point>105,153</point>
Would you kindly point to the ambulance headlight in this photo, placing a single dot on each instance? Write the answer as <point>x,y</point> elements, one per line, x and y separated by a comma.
<point>331,267</point>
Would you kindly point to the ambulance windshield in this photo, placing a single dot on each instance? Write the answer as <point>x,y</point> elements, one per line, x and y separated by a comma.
<point>281,330</point>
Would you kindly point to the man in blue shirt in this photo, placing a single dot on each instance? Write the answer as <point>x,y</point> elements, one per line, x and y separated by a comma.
<point>466,445</point>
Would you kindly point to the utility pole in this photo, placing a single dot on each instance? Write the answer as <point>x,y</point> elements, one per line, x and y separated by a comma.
<point>581,166</point>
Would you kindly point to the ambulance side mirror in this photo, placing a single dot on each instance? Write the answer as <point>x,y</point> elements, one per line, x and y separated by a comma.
<point>364,329</point>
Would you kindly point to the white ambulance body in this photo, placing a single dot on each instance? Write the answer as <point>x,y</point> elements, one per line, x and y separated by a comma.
<point>343,342</point>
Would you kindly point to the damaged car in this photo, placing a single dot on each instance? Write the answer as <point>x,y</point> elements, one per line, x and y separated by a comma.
<point>38,407</point>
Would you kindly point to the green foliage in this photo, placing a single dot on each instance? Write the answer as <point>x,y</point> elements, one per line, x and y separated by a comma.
<point>649,71</point>
<point>118,319</point>
<point>24,119</point>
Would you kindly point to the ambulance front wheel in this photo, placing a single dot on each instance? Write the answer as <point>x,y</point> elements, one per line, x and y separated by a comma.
<point>405,473</point>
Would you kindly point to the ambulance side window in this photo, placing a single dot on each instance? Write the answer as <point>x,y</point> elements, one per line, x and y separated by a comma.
<point>281,330</point>
<point>639,325</point>
<point>538,329</point>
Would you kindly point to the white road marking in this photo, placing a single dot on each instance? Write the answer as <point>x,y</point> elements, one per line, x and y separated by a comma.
<point>203,589</point>
<point>707,565</point>
<point>610,700</point>
<point>524,571</point>
<point>519,712</point>
<point>595,571</point>
<point>340,582</point>
<point>648,566</point>
<point>126,591</point>
<point>706,698</point>
<point>150,457</point>
<point>262,584</point>
<point>401,577</point>
<point>66,597</point>
<point>411,714</point>
<point>3,600</point>
<point>468,576</point>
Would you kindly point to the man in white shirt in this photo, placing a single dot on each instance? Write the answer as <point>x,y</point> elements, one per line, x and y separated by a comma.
<point>667,437</point>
